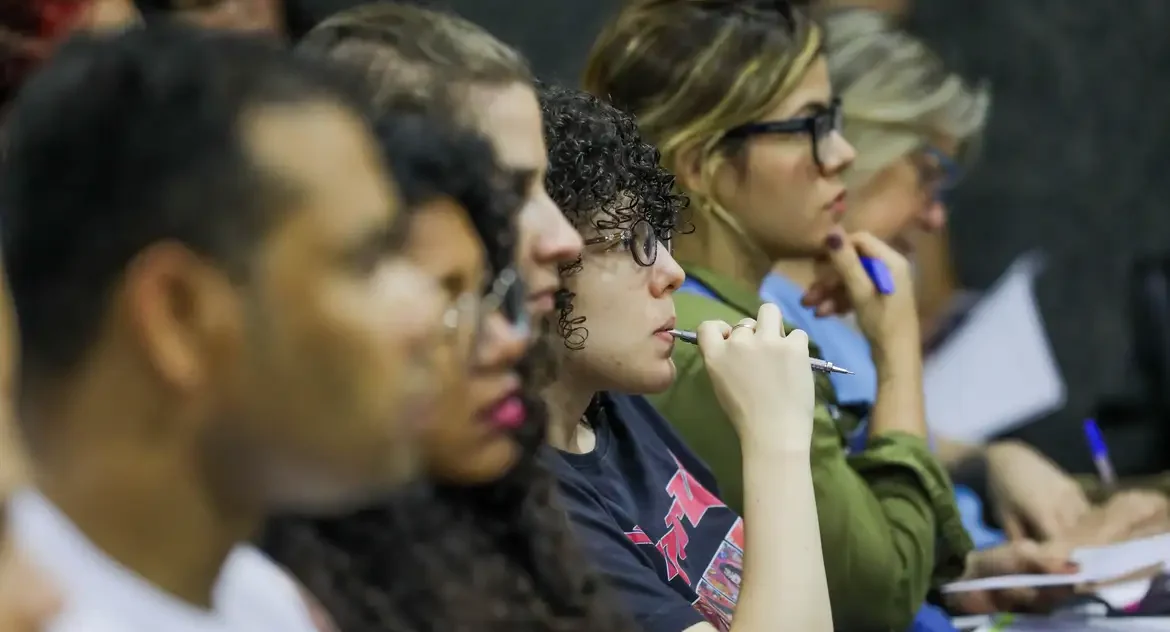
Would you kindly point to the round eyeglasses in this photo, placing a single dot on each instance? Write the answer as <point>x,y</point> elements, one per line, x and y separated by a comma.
<point>938,173</point>
<point>506,295</point>
<point>640,238</point>
<point>820,127</point>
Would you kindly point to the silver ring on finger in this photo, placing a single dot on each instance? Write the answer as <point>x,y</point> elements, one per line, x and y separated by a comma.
<point>751,326</point>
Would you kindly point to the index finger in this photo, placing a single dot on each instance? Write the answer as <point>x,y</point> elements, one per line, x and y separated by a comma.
<point>769,321</point>
<point>712,332</point>
<point>846,260</point>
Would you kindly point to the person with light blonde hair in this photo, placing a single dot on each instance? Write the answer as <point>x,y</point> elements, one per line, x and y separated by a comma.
<point>916,125</point>
<point>739,99</point>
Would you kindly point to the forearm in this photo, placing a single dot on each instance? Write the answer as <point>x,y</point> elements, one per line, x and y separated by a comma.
<point>899,406</point>
<point>784,583</point>
<point>952,453</point>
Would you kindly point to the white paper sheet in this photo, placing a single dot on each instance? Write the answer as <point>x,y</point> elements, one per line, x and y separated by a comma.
<point>1097,565</point>
<point>996,371</point>
<point>1079,624</point>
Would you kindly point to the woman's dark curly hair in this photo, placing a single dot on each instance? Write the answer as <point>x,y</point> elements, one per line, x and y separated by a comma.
<point>602,174</point>
<point>498,557</point>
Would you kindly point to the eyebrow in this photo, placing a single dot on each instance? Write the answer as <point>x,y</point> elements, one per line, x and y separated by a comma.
<point>386,238</point>
<point>519,180</point>
<point>816,106</point>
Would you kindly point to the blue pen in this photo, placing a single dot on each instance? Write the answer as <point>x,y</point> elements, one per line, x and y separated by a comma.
<point>877,271</point>
<point>1100,454</point>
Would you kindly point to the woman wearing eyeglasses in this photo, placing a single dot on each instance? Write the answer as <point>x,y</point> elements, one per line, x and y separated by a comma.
<point>738,98</point>
<point>645,508</point>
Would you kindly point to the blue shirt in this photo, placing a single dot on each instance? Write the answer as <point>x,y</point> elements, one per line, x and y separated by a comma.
<point>840,343</point>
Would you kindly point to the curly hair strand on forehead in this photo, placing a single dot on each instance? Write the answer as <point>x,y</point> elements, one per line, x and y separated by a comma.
<point>604,177</point>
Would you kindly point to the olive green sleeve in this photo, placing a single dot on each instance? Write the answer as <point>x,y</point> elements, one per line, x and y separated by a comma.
<point>889,524</point>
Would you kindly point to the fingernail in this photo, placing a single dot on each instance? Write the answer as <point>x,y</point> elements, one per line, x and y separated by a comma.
<point>833,241</point>
<point>1072,567</point>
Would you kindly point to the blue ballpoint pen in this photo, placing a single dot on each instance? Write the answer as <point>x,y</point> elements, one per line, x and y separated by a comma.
<point>879,274</point>
<point>1100,454</point>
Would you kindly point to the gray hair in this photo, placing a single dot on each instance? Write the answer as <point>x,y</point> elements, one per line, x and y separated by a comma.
<point>896,93</point>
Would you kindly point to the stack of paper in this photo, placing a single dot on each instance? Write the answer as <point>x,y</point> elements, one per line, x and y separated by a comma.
<point>996,371</point>
<point>1075,624</point>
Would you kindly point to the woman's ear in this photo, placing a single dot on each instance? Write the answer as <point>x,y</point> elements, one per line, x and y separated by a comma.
<point>687,168</point>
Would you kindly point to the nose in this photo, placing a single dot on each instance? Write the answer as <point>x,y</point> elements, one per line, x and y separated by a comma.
<point>501,345</point>
<point>668,275</point>
<point>552,239</point>
<point>840,156</point>
<point>934,217</point>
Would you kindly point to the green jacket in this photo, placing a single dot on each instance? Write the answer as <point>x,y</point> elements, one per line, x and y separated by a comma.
<point>889,525</point>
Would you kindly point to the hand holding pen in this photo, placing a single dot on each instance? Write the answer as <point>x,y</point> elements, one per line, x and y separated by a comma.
<point>866,276</point>
<point>760,376</point>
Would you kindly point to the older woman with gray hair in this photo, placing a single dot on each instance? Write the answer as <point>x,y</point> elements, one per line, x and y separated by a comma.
<point>914,125</point>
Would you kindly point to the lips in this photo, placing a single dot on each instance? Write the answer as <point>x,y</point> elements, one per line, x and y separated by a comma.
<point>508,413</point>
<point>837,206</point>
<point>668,325</point>
<point>542,302</point>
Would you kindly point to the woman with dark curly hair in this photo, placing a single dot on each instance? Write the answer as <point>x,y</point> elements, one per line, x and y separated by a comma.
<point>645,506</point>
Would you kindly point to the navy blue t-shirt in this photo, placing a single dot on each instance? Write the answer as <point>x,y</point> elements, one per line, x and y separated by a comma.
<point>647,512</point>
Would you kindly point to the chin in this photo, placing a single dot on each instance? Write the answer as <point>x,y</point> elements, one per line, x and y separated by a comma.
<point>327,495</point>
<point>487,464</point>
<point>655,379</point>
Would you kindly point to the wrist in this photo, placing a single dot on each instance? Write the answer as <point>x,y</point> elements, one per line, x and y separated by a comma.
<point>772,445</point>
<point>895,361</point>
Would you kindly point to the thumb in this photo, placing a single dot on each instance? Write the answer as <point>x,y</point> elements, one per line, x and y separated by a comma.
<point>1054,558</point>
<point>846,261</point>
<point>1046,525</point>
<point>1013,527</point>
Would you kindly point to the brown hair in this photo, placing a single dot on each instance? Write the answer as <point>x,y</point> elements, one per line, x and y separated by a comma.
<point>408,52</point>
<point>690,70</point>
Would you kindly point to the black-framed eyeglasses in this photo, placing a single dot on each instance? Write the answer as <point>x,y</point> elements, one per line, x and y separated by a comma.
<point>506,295</point>
<point>640,238</point>
<point>820,128</point>
<point>938,172</point>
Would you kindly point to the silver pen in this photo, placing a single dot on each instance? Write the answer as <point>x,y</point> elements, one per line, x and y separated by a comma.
<point>817,365</point>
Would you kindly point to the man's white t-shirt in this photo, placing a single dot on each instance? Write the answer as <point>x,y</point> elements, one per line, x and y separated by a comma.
<point>252,594</point>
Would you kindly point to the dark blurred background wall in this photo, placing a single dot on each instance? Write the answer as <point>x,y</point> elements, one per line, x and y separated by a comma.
<point>1076,162</point>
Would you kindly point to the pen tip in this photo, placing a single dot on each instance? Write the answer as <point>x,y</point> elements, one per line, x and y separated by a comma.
<point>845,371</point>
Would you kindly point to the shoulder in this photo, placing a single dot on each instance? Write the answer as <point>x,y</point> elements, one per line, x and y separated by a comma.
<point>83,620</point>
<point>642,420</point>
<point>255,588</point>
